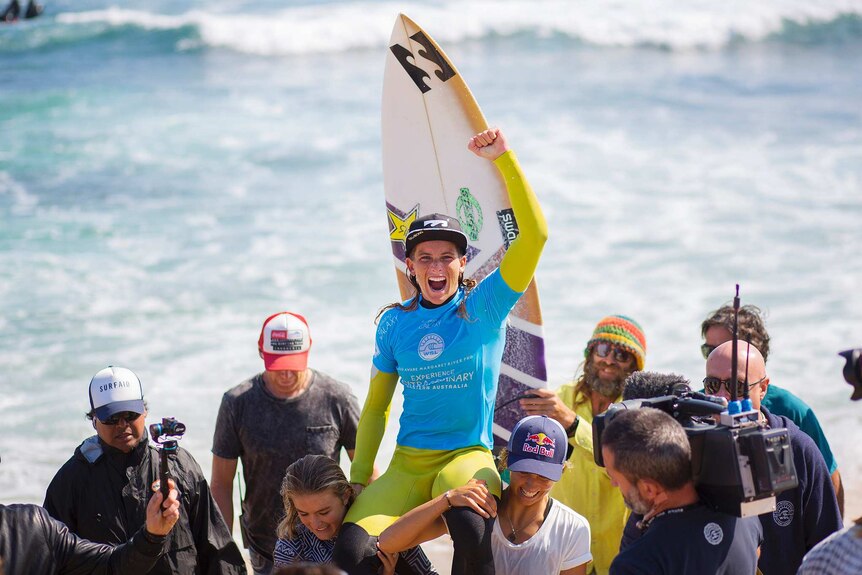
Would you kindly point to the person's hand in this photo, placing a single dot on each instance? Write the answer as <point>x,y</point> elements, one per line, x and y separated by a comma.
<point>161,515</point>
<point>490,144</point>
<point>357,488</point>
<point>546,402</point>
<point>388,560</point>
<point>476,496</point>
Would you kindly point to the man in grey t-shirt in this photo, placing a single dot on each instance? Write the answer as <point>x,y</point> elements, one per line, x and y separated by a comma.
<point>271,420</point>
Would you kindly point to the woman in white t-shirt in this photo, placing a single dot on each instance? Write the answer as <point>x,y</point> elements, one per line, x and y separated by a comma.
<point>533,534</point>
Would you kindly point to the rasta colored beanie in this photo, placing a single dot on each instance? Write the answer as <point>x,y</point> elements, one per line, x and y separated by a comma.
<point>622,331</point>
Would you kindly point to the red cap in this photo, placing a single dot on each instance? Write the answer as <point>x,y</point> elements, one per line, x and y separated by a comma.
<point>284,342</point>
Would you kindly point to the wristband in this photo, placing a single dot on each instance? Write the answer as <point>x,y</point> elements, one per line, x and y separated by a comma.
<point>570,431</point>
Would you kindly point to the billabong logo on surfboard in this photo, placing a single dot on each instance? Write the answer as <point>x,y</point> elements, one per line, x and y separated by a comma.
<point>469,214</point>
<point>430,53</point>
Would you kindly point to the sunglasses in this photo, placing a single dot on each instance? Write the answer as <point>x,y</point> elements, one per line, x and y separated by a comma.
<point>127,416</point>
<point>706,349</point>
<point>604,349</point>
<point>713,384</point>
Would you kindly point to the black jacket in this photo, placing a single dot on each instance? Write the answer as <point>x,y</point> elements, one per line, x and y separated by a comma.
<point>102,494</point>
<point>32,542</point>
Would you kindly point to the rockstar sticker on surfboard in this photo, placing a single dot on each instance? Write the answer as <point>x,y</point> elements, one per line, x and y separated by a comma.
<point>428,116</point>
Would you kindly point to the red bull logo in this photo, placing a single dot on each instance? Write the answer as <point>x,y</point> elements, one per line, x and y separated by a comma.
<point>542,444</point>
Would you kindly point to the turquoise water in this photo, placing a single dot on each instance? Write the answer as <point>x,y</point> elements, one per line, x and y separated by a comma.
<point>172,173</point>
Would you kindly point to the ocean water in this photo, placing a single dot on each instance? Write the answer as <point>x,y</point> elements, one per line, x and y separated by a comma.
<point>171,173</point>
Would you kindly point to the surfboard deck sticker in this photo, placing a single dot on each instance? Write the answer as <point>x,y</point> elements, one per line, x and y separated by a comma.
<point>428,116</point>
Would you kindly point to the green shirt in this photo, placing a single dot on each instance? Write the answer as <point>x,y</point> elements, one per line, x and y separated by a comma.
<point>781,402</point>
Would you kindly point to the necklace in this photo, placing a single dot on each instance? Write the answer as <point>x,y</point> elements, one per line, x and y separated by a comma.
<point>513,535</point>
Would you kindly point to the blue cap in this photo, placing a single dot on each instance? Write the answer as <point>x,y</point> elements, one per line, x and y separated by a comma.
<point>538,444</point>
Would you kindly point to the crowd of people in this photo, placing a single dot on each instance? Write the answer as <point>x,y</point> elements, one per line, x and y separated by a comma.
<point>557,512</point>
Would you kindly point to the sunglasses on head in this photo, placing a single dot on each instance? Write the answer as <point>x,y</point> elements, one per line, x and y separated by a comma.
<point>127,416</point>
<point>706,349</point>
<point>620,355</point>
<point>712,385</point>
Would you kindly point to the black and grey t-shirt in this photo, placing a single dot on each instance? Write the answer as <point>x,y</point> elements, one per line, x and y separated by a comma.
<point>267,434</point>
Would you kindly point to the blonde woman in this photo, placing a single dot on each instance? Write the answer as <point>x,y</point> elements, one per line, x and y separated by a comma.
<point>316,497</point>
<point>533,534</point>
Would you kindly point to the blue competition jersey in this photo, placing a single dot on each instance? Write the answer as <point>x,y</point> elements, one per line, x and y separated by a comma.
<point>448,365</point>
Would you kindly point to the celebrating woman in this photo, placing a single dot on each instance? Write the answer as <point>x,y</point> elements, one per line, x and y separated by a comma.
<point>446,345</point>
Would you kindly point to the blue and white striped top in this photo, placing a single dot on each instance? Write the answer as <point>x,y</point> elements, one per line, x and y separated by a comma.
<point>306,547</point>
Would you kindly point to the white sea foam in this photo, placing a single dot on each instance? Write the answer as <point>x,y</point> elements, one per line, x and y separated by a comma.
<point>340,27</point>
<point>22,200</point>
<point>165,228</point>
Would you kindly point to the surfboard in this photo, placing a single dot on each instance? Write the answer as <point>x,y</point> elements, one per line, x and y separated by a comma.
<point>428,116</point>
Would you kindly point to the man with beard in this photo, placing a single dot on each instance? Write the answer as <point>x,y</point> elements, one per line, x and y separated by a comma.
<point>648,457</point>
<point>616,349</point>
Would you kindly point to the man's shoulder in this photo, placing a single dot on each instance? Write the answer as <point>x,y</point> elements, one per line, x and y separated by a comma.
<point>24,514</point>
<point>87,454</point>
<point>188,463</point>
<point>800,441</point>
<point>328,384</point>
<point>784,402</point>
<point>806,455</point>
<point>841,549</point>
<point>241,390</point>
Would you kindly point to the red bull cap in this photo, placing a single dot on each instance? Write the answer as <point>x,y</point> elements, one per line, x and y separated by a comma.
<point>538,444</point>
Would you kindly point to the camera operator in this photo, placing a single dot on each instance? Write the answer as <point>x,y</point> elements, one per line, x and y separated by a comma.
<point>718,328</point>
<point>840,553</point>
<point>648,457</point>
<point>616,349</point>
<point>100,492</point>
<point>33,542</point>
<point>804,515</point>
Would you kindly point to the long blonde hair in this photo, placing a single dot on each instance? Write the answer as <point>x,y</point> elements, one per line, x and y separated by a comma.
<point>311,474</point>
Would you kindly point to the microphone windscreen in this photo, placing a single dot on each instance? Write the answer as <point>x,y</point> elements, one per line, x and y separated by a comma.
<point>649,384</point>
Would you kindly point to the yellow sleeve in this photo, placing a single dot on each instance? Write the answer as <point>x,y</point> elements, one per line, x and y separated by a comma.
<point>519,263</point>
<point>583,437</point>
<point>372,424</point>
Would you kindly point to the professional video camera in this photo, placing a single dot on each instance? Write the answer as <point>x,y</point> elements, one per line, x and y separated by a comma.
<point>738,465</point>
<point>166,435</point>
<point>853,371</point>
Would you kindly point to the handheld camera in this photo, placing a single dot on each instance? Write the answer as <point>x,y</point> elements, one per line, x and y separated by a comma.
<point>166,436</point>
<point>738,464</point>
